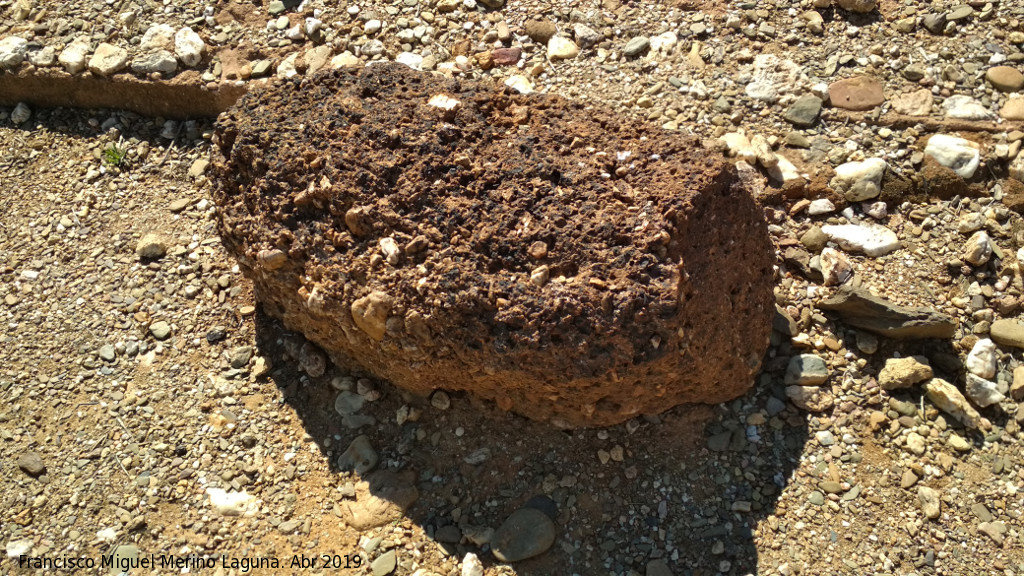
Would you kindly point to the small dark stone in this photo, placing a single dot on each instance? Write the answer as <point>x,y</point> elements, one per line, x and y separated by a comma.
<point>216,334</point>
<point>544,504</point>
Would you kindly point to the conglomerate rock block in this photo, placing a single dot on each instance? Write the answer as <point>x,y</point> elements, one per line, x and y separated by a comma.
<point>558,258</point>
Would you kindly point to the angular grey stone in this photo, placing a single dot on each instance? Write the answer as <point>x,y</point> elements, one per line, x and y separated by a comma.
<point>637,46</point>
<point>806,370</point>
<point>804,112</point>
<point>859,308</point>
<point>160,61</point>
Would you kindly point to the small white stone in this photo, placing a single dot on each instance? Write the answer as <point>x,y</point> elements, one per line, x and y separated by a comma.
<point>471,565</point>
<point>821,206</point>
<point>835,267</point>
<point>978,249</point>
<point>871,239</point>
<point>444,102</point>
<point>13,51</point>
<point>520,84</point>
<point>410,59</point>
<point>982,359</point>
<point>158,37</point>
<point>983,392</point>
<point>859,181</point>
<point>189,47</point>
<point>108,59</point>
<point>966,108</point>
<point>16,548</point>
<point>74,56</point>
<point>346,60</point>
<point>372,26</point>
<point>739,146</point>
<point>562,48</point>
<point>784,171</point>
<point>962,156</point>
<point>663,43</point>
<point>232,503</point>
<point>877,210</point>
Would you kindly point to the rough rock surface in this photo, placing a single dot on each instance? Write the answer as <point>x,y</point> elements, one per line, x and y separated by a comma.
<point>567,263</point>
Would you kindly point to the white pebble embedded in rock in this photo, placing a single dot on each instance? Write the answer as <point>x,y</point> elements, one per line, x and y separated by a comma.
<point>958,154</point>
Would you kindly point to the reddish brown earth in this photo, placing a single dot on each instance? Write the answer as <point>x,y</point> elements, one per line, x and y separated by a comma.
<point>659,261</point>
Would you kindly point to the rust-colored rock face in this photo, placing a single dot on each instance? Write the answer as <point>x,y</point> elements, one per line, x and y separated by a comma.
<point>557,258</point>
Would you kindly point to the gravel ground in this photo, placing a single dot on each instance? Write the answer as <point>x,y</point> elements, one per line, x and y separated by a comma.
<point>144,391</point>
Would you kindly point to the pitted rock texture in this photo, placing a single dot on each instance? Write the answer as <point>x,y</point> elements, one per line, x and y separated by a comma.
<point>554,257</point>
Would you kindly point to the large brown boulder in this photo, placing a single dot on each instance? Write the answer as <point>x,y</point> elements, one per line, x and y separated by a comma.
<point>564,261</point>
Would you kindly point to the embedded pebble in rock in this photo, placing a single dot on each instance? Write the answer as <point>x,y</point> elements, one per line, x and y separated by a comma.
<point>962,107</point>
<point>901,373</point>
<point>359,457</point>
<point>947,398</point>
<point>981,361</point>
<point>835,267</point>
<point>151,246</point>
<point>1005,78</point>
<point>962,156</point>
<point>977,251</point>
<point>804,111</point>
<point>806,370</point>
<point>858,93</point>
<point>108,59</point>
<point>31,463</point>
<point>916,103</point>
<point>982,392</point>
<point>562,48</point>
<point>232,503</point>
<point>471,565</point>
<point>810,398</point>
<point>871,239</point>
<point>859,181</point>
<point>1007,332</point>
<point>20,114</point>
<point>12,52</point>
<point>75,55</point>
<point>526,533</point>
<point>636,46</point>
